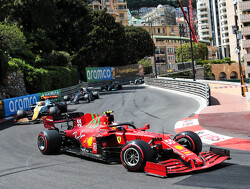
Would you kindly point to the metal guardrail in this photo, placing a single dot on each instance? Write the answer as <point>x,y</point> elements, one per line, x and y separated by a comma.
<point>191,87</point>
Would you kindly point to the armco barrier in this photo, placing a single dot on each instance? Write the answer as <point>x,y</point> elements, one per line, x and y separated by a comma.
<point>191,87</point>
<point>11,105</point>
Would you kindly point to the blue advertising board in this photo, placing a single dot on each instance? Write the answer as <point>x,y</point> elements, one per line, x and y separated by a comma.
<point>11,105</point>
<point>99,73</point>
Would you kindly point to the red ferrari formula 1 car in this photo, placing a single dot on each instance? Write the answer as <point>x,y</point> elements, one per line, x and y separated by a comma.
<point>99,137</point>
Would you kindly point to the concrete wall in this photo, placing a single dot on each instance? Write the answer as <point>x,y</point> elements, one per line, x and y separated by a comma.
<point>13,86</point>
<point>227,69</point>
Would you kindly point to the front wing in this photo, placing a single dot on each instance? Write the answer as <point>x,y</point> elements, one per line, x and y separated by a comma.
<point>173,166</point>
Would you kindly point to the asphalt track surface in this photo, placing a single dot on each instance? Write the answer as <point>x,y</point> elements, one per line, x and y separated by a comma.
<point>23,166</point>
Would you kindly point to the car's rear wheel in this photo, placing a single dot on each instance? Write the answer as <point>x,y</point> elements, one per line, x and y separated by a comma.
<point>49,141</point>
<point>189,140</point>
<point>52,111</point>
<point>96,95</point>
<point>66,98</point>
<point>21,114</point>
<point>135,154</point>
<point>62,106</point>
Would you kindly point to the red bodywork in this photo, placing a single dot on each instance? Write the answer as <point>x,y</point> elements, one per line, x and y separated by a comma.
<point>89,128</point>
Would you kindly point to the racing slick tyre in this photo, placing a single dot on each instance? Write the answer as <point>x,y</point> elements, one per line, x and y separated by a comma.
<point>189,140</point>
<point>62,106</point>
<point>119,86</point>
<point>135,154</point>
<point>87,97</point>
<point>52,111</point>
<point>96,95</point>
<point>49,141</point>
<point>21,114</point>
<point>66,98</point>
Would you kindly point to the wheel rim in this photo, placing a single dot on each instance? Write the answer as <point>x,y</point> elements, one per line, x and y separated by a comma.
<point>131,157</point>
<point>185,142</point>
<point>41,143</point>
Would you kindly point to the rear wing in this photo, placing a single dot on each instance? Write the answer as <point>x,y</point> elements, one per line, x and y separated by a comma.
<point>50,121</point>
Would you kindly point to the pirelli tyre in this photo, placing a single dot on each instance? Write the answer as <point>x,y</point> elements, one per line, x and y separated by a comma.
<point>62,106</point>
<point>119,86</point>
<point>66,98</point>
<point>96,95</point>
<point>21,114</point>
<point>87,97</point>
<point>189,140</point>
<point>135,154</point>
<point>49,142</point>
<point>52,111</point>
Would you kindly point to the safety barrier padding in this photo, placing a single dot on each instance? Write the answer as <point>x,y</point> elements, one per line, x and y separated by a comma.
<point>191,87</point>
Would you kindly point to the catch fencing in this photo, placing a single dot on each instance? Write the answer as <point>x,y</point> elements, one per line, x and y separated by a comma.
<point>186,86</point>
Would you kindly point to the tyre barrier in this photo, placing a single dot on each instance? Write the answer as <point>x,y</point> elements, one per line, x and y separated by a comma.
<point>191,87</point>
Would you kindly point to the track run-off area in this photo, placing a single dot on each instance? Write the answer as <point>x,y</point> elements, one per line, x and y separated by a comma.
<point>23,166</point>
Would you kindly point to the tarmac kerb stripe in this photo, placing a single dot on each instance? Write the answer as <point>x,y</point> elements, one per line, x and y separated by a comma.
<point>232,86</point>
<point>209,137</point>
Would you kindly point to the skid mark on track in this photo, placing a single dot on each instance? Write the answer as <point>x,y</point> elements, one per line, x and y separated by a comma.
<point>30,168</point>
<point>132,114</point>
<point>144,111</point>
<point>123,100</point>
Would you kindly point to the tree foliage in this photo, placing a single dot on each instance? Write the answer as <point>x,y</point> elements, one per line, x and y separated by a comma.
<point>200,51</point>
<point>105,46</point>
<point>139,44</point>
<point>145,62</point>
<point>58,32</point>
<point>72,26</point>
<point>11,37</point>
<point>53,24</point>
<point>12,40</point>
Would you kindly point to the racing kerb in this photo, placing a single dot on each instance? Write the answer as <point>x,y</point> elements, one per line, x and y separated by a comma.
<point>186,86</point>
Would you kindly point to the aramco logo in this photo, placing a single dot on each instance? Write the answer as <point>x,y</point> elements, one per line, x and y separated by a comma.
<point>97,74</point>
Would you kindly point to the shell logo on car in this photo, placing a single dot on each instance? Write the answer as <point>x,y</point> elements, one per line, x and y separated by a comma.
<point>178,147</point>
<point>90,141</point>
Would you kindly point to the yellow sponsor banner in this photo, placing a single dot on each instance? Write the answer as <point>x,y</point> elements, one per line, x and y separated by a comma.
<point>127,71</point>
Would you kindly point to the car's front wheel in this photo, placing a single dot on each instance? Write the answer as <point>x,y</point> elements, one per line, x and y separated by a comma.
<point>21,114</point>
<point>135,154</point>
<point>49,141</point>
<point>189,140</point>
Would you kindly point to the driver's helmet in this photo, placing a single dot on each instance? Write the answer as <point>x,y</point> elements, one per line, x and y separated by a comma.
<point>82,90</point>
<point>42,103</point>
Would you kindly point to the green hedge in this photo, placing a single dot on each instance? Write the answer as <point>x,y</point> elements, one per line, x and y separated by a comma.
<point>218,61</point>
<point>62,76</point>
<point>44,79</point>
<point>183,74</point>
<point>55,58</point>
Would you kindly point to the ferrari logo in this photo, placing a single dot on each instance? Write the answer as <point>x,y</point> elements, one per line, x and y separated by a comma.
<point>119,139</point>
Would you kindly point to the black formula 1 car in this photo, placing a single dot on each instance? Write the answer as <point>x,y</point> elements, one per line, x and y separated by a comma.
<point>99,137</point>
<point>47,106</point>
<point>86,94</point>
<point>138,80</point>
<point>112,86</point>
